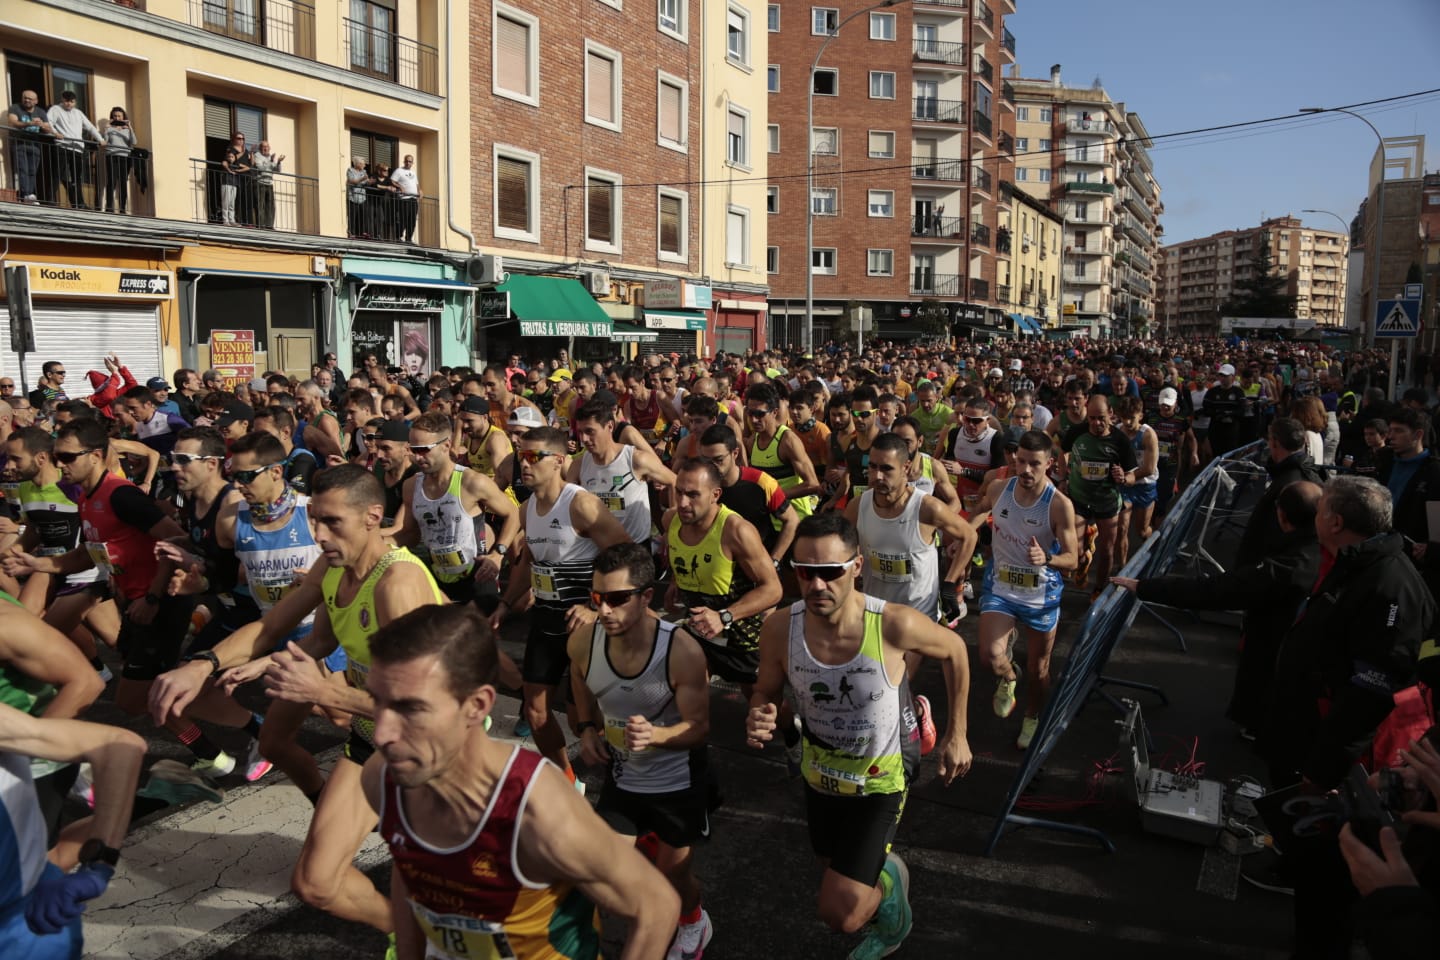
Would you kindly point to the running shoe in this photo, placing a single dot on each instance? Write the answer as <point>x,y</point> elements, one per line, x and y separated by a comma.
<point>256,766</point>
<point>968,591</point>
<point>692,939</point>
<point>222,766</point>
<point>894,919</point>
<point>926,723</point>
<point>522,727</point>
<point>1004,701</point>
<point>961,612</point>
<point>1027,732</point>
<point>175,783</point>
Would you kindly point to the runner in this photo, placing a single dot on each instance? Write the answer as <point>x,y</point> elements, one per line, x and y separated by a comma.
<point>777,450</point>
<point>920,469</point>
<point>495,855</point>
<point>486,447</point>
<point>51,518</point>
<point>930,413</point>
<point>619,474</point>
<point>1033,541</point>
<point>1177,453</point>
<point>751,493</point>
<point>1139,496</point>
<point>843,654</point>
<point>1101,462</point>
<point>970,449</point>
<point>642,698</point>
<point>393,468</point>
<point>300,464</point>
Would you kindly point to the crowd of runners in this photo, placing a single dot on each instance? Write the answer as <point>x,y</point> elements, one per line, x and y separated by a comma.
<point>810,529</point>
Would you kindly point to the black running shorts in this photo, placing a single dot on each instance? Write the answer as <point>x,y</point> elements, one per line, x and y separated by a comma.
<point>679,819</point>
<point>853,833</point>
<point>731,663</point>
<point>547,656</point>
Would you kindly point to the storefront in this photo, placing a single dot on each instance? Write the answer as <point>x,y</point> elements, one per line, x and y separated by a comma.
<point>282,303</point>
<point>408,314</point>
<point>536,317</point>
<point>739,322</point>
<point>675,310</point>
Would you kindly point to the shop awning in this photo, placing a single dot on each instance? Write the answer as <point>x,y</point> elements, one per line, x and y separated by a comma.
<point>554,307</point>
<point>427,283</point>
<point>627,333</point>
<point>675,320</point>
<point>1036,326</point>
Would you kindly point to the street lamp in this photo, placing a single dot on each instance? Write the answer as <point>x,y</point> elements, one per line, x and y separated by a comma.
<point>1345,229</point>
<point>810,178</point>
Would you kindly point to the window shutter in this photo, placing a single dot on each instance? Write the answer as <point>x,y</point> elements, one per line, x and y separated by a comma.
<point>512,53</point>
<point>738,148</point>
<point>599,216</point>
<point>251,122</point>
<point>217,120</point>
<point>735,237</point>
<point>599,97</point>
<point>670,224</point>
<point>513,193</point>
<point>670,112</point>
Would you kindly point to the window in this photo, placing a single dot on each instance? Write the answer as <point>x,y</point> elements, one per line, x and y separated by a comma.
<point>517,194</point>
<point>737,237</point>
<point>882,203</point>
<point>772,199</point>
<point>824,21</point>
<point>602,211</point>
<point>602,86</point>
<point>1045,145</point>
<point>1022,144</point>
<point>672,18</point>
<point>982,99</point>
<point>772,17</point>
<point>1021,174</point>
<point>672,112</point>
<point>674,224</point>
<point>1046,115</point>
<point>827,82</point>
<point>822,261</point>
<point>882,85</point>
<point>882,144</point>
<point>772,78</point>
<point>1042,175</point>
<point>772,137</point>
<point>1022,114</point>
<point>737,36</point>
<point>516,55</point>
<point>772,259</point>
<point>370,35</point>
<point>376,148</point>
<point>882,26</point>
<point>825,140</point>
<point>737,138</point>
<point>822,201</point>
<point>226,117</point>
<point>880,263</point>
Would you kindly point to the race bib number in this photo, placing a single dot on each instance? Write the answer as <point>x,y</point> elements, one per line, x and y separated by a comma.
<point>448,561</point>
<point>269,592</point>
<point>1094,469</point>
<point>450,936</point>
<point>358,675</point>
<point>542,582</point>
<point>890,567</point>
<point>615,738</point>
<point>101,556</point>
<point>1165,449</point>
<point>828,779</point>
<point>1018,577</point>
<point>614,504</point>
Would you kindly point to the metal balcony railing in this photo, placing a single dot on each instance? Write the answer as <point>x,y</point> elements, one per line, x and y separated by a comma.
<point>980,235</point>
<point>934,169</point>
<point>986,18</point>
<point>288,203</point>
<point>984,70</point>
<point>927,283</point>
<point>384,215</point>
<point>938,228</point>
<point>1008,41</point>
<point>933,110</point>
<point>1002,293</point>
<point>1090,125</point>
<point>979,289</point>
<point>1007,92</point>
<point>1089,186</point>
<point>389,56</point>
<point>46,172</point>
<point>981,179</point>
<point>1006,143</point>
<point>980,123</point>
<point>939,51</point>
<point>1003,239</point>
<point>284,25</point>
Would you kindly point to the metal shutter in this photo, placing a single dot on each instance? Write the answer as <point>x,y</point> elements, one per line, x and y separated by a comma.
<point>671,341</point>
<point>80,336</point>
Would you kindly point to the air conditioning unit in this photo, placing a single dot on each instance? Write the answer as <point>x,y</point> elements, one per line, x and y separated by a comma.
<point>598,282</point>
<point>486,269</point>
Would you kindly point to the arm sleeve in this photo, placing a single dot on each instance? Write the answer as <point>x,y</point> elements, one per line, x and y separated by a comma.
<point>1233,590</point>
<point>134,508</point>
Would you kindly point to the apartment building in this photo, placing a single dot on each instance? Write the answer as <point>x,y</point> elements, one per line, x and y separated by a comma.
<point>1082,153</point>
<point>910,150</point>
<point>1201,275</point>
<point>293,263</point>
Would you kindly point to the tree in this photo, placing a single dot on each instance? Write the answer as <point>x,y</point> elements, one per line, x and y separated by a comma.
<point>1262,294</point>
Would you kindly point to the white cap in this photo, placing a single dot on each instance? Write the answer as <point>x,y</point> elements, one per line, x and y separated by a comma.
<point>1226,370</point>
<point>526,417</point>
<point>1016,364</point>
<point>1168,397</point>
<point>995,372</point>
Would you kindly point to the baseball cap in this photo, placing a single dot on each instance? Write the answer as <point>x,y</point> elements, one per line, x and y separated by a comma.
<point>526,417</point>
<point>156,383</point>
<point>394,430</point>
<point>995,372</point>
<point>1016,365</point>
<point>475,405</point>
<point>235,413</point>
<point>1168,397</point>
<point>258,385</point>
<point>1227,370</point>
<point>561,374</point>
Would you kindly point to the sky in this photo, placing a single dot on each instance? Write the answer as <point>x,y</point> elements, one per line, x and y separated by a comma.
<point>1186,65</point>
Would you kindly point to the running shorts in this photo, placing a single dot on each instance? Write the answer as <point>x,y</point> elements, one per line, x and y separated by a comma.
<point>854,833</point>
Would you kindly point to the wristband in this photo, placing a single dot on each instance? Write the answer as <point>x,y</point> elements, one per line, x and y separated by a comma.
<point>206,655</point>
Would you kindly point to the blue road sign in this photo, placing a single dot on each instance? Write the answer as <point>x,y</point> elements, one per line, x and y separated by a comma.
<point>1397,318</point>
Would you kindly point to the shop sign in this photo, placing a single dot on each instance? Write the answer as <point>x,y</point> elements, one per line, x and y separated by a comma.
<point>564,328</point>
<point>677,294</point>
<point>494,304</point>
<point>400,298</point>
<point>232,355</point>
<point>72,280</point>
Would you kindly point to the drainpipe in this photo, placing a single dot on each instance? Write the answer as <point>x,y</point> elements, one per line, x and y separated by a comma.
<point>467,317</point>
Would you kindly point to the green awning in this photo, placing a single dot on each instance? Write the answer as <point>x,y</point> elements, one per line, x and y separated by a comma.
<point>675,319</point>
<point>627,333</point>
<point>554,307</point>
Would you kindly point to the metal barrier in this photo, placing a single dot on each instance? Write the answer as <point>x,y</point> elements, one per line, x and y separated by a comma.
<point>1200,516</point>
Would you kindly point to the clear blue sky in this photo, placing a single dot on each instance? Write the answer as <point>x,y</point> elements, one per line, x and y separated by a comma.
<point>1186,65</point>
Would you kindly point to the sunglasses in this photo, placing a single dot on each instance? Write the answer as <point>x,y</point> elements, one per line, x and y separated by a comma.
<point>862,414</point>
<point>667,379</point>
<point>829,572</point>
<point>420,449</point>
<point>976,420</point>
<point>185,459</point>
<point>535,456</point>
<point>67,458</point>
<point>757,414</point>
<point>248,476</point>
<point>616,598</point>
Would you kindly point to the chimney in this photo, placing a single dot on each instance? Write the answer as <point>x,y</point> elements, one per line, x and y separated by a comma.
<point>1055,75</point>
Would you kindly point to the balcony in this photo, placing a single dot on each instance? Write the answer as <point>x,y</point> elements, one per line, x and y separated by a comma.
<point>1087,154</point>
<point>1008,41</point>
<point>926,283</point>
<point>1003,241</point>
<point>931,110</point>
<point>980,235</point>
<point>80,178</point>
<point>984,70</point>
<point>1006,144</point>
<point>284,25</point>
<point>1002,293</point>
<point>959,5</point>
<point>980,123</point>
<point>1095,215</point>
<point>1092,249</point>
<point>981,180</point>
<point>979,289</point>
<point>931,227</point>
<point>1136,230</point>
<point>938,51</point>
<point>1089,186</point>
<point>933,169</point>
<point>1007,92</point>
<point>985,17</point>
<point>1086,279</point>
<point>1026,296</point>
<point>290,205</point>
<point>1092,125</point>
<point>375,52</point>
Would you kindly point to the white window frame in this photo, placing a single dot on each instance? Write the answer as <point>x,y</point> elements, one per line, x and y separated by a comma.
<point>743,212</point>
<point>835,140</point>
<point>1043,175</point>
<point>772,18</point>
<point>772,138</point>
<point>1047,114</point>
<point>822,198</point>
<point>816,75</point>
<point>743,162</point>
<point>531,235</point>
<point>681,31</point>
<point>1022,144</point>
<point>1045,145</point>
<point>663,79</point>
<point>870,270</point>
<point>880,156</point>
<point>889,204</point>
<point>772,199</point>
<point>881,75</point>
<point>684,255</point>
<point>617,209</point>
<point>772,260</point>
<point>617,84</point>
<point>877,18</point>
<point>743,60</point>
<point>834,16</point>
<point>1022,114</point>
<point>532,54</point>
<point>772,78</point>
<point>825,253</point>
<point>1021,174</point>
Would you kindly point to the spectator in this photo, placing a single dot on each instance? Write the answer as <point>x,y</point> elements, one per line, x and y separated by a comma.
<point>1310,411</point>
<point>1367,461</point>
<point>1412,475</point>
<point>163,401</point>
<point>379,202</point>
<point>33,135</point>
<point>1288,463</point>
<point>119,143</point>
<point>407,199</point>
<point>266,163</point>
<point>186,394</point>
<point>71,128</point>
<point>51,385</point>
<point>356,180</point>
<point>231,169</point>
<point>109,386</point>
<point>7,389</point>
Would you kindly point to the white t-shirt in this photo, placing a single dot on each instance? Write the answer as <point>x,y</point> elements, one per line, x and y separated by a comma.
<point>406,180</point>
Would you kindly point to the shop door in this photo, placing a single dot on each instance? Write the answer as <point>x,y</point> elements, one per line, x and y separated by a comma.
<point>734,339</point>
<point>81,336</point>
<point>373,331</point>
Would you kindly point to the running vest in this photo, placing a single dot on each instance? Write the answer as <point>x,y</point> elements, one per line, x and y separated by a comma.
<point>850,714</point>
<point>1168,433</point>
<point>223,564</point>
<point>1138,443</point>
<point>121,552</point>
<point>900,565</point>
<point>562,561</point>
<point>650,695</point>
<point>625,495</point>
<point>471,901</point>
<point>273,559</point>
<point>768,460</point>
<point>706,577</point>
<point>932,423</point>
<point>54,516</point>
<point>645,418</point>
<point>354,623</point>
<point>394,496</point>
<point>975,454</point>
<point>857,462</point>
<point>479,454</point>
<point>925,483</point>
<point>1010,575</point>
<point>447,531</point>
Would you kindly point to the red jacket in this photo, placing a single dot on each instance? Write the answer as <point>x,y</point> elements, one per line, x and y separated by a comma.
<point>108,389</point>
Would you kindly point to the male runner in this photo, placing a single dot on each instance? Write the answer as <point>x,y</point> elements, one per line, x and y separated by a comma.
<point>1177,449</point>
<point>843,654</point>
<point>1033,541</point>
<point>970,450</point>
<point>364,584</point>
<point>723,577</point>
<point>920,469</point>
<point>642,702</point>
<point>487,449</point>
<point>51,518</point>
<point>777,450</point>
<point>393,468</point>
<point>1102,460</point>
<point>495,855</point>
<point>618,473</point>
<point>497,390</point>
<point>564,527</point>
<point>750,492</point>
<point>300,464</point>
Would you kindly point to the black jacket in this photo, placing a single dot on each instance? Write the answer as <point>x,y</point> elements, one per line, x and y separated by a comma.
<point>1262,532</point>
<point>1410,516</point>
<point>1355,643</point>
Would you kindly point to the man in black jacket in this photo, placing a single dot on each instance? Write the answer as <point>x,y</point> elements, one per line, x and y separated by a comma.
<point>1412,475</point>
<point>1355,643</point>
<point>1288,463</point>
<point>1270,591</point>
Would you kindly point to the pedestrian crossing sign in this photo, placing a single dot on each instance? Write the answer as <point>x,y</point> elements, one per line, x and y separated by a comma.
<point>1397,318</point>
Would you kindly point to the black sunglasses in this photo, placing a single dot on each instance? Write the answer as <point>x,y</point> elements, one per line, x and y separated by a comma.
<point>862,414</point>
<point>753,414</point>
<point>976,419</point>
<point>829,572</point>
<point>248,476</point>
<point>69,457</point>
<point>616,598</point>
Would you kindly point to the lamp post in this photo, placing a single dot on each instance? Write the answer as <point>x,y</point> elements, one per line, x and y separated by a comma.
<point>810,178</point>
<point>1345,228</point>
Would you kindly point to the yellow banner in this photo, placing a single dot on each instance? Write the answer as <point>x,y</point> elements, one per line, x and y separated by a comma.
<point>73,280</point>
